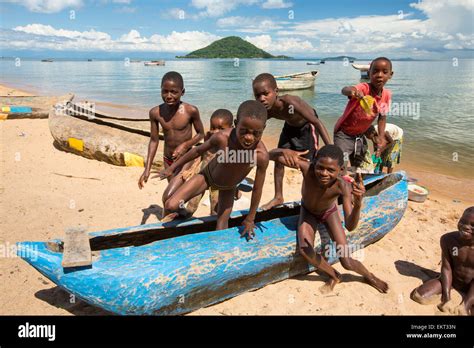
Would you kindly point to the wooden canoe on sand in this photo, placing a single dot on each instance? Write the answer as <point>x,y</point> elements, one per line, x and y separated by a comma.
<point>119,141</point>
<point>304,80</point>
<point>34,106</point>
<point>178,267</point>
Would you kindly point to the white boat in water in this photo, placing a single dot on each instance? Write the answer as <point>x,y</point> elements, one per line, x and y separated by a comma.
<point>155,62</point>
<point>303,80</point>
<point>364,70</point>
<point>313,63</point>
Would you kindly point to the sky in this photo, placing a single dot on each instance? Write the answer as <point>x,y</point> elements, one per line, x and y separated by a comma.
<point>433,29</point>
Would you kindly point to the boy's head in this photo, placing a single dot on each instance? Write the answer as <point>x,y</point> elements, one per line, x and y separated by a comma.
<point>172,88</point>
<point>380,71</point>
<point>328,163</point>
<point>371,133</point>
<point>265,90</point>
<point>466,224</point>
<point>251,121</point>
<point>221,119</point>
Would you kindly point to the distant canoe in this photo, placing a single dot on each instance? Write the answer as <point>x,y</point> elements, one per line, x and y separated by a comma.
<point>313,63</point>
<point>178,267</point>
<point>155,63</point>
<point>82,131</point>
<point>364,70</point>
<point>304,80</point>
<point>47,60</point>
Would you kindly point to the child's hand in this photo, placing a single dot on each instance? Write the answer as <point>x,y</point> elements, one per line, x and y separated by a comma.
<point>248,231</point>
<point>358,189</point>
<point>357,94</point>
<point>143,179</point>
<point>293,157</point>
<point>163,174</point>
<point>179,151</point>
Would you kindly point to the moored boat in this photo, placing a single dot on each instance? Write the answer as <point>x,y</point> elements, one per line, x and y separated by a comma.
<point>364,70</point>
<point>303,80</point>
<point>155,63</point>
<point>178,267</point>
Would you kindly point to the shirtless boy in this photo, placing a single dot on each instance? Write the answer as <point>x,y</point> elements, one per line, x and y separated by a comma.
<point>177,120</point>
<point>300,131</point>
<point>238,150</point>
<point>457,270</point>
<point>322,186</point>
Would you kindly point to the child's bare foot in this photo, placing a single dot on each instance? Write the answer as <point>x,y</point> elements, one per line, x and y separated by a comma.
<point>415,296</point>
<point>377,283</point>
<point>329,286</point>
<point>273,203</point>
<point>170,217</point>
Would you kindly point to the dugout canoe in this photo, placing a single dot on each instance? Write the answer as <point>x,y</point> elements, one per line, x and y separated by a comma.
<point>178,267</point>
<point>297,81</point>
<point>80,129</point>
<point>29,106</point>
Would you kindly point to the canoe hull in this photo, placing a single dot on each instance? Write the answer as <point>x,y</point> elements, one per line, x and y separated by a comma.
<point>182,274</point>
<point>298,81</point>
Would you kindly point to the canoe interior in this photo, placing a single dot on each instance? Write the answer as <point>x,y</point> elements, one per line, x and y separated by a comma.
<point>144,234</point>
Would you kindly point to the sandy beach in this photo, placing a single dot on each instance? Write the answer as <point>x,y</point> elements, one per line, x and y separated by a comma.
<point>44,191</point>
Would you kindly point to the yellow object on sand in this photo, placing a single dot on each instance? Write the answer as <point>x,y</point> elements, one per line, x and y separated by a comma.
<point>5,109</point>
<point>3,117</point>
<point>367,102</point>
<point>76,144</point>
<point>132,160</point>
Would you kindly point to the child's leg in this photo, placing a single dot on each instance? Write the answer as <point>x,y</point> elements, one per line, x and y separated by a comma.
<point>427,293</point>
<point>337,233</point>
<point>175,182</point>
<point>224,208</point>
<point>191,188</point>
<point>307,225</point>
<point>279,173</point>
<point>469,300</point>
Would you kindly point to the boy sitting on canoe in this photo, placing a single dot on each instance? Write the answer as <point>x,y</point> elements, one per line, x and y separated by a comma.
<point>367,101</point>
<point>177,120</point>
<point>322,186</point>
<point>392,151</point>
<point>220,119</point>
<point>457,270</point>
<point>300,131</point>
<point>238,150</point>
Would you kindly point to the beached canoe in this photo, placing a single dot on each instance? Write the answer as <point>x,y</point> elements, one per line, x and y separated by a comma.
<point>29,106</point>
<point>296,81</point>
<point>364,70</point>
<point>83,131</point>
<point>155,63</point>
<point>178,267</point>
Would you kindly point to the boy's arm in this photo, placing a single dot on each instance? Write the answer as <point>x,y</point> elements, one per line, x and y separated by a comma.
<point>351,206</point>
<point>192,154</point>
<point>446,272</point>
<point>198,127</point>
<point>309,114</point>
<point>351,92</point>
<point>290,158</point>
<point>389,142</point>
<point>152,147</point>
<point>262,164</point>
<point>381,122</point>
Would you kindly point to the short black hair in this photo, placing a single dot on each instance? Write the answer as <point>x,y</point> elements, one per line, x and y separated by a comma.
<point>381,58</point>
<point>265,77</point>
<point>224,114</point>
<point>331,151</point>
<point>253,109</point>
<point>469,210</point>
<point>173,76</point>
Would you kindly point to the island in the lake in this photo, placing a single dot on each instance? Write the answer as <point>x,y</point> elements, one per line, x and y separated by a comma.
<point>231,47</point>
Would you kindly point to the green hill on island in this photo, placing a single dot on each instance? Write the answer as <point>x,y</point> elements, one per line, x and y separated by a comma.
<point>231,47</point>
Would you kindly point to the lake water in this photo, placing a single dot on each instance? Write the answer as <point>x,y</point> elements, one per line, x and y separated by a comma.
<point>435,98</point>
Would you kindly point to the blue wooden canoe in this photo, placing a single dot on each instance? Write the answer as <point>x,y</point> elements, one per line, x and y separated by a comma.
<point>178,267</point>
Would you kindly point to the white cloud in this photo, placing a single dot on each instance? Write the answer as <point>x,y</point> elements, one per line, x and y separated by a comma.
<point>48,6</point>
<point>46,37</point>
<point>281,45</point>
<point>249,24</point>
<point>216,8</point>
<point>275,4</point>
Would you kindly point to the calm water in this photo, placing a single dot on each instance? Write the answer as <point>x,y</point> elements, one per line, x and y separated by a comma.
<point>438,128</point>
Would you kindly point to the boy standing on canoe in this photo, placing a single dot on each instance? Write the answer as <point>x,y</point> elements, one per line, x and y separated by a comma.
<point>367,101</point>
<point>322,186</point>
<point>300,131</point>
<point>457,270</point>
<point>177,120</point>
<point>238,150</point>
